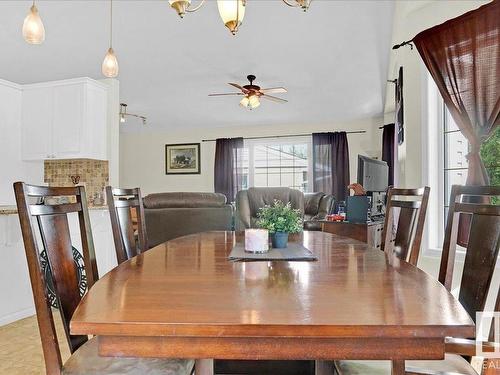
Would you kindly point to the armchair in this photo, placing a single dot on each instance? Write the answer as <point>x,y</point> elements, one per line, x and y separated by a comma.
<point>249,201</point>
<point>316,207</point>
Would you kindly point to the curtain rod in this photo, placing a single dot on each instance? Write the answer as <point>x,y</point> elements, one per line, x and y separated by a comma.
<point>405,43</point>
<point>286,136</point>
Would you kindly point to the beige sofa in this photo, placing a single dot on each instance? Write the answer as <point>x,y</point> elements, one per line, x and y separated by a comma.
<point>171,215</point>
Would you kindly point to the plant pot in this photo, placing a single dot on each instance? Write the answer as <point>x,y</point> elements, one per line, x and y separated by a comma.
<point>279,240</point>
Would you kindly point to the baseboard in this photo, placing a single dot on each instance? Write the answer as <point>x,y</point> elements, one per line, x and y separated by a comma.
<point>18,315</point>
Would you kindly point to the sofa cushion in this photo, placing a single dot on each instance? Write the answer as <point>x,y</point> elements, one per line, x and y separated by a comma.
<point>184,200</point>
<point>260,197</point>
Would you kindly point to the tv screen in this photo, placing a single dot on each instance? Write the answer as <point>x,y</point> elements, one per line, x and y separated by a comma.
<point>373,174</point>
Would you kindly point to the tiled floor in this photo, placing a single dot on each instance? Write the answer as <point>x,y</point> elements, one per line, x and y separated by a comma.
<point>21,348</point>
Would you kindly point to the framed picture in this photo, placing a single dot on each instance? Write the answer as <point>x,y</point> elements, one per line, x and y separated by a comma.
<point>182,159</point>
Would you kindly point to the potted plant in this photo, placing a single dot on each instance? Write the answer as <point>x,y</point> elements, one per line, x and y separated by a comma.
<point>280,219</point>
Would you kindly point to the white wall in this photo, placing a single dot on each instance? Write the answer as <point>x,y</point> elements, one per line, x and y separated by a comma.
<point>142,156</point>
<point>11,167</point>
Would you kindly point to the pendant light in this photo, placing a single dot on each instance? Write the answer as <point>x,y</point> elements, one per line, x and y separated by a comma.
<point>232,13</point>
<point>303,4</point>
<point>110,64</point>
<point>33,30</point>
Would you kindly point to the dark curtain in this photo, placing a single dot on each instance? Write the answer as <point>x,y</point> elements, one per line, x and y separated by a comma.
<point>463,57</point>
<point>331,164</point>
<point>228,168</point>
<point>388,149</point>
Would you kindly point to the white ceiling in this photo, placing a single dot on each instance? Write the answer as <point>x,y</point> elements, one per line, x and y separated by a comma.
<point>332,59</point>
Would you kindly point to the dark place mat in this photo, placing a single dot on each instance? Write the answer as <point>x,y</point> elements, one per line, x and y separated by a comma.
<point>294,252</point>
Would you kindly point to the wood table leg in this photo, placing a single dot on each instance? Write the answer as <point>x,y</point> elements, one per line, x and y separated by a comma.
<point>204,367</point>
<point>323,368</point>
<point>398,368</point>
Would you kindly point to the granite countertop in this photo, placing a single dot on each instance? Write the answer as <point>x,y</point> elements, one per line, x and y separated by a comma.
<point>12,210</point>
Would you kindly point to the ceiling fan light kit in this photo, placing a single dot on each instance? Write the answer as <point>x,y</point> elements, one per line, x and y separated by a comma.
<point>253,93</point>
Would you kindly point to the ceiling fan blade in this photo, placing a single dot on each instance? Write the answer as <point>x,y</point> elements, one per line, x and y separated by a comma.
<point>228,94</point>
<point>274,99</point>
<point>274,90</point>
<point>239,87</point>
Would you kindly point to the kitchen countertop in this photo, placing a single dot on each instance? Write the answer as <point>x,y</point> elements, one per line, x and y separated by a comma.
<point>12,210</point>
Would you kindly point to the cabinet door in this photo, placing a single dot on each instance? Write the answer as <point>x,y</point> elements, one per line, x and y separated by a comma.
<point>37,124</point>
<point>68,120</point>
<point>96,122</point>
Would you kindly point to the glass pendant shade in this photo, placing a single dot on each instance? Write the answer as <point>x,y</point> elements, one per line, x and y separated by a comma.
<point>33,30</point>
<point>253,101</point>
<point>244,102</point>
<point>110,64</point>
<point>180,6</point>
<point>232,13</point>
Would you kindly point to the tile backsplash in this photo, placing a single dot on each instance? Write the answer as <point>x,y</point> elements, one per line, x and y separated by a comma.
<point>93,174</point>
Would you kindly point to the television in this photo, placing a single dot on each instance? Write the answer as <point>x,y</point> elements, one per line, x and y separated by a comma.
<point>373,174</point>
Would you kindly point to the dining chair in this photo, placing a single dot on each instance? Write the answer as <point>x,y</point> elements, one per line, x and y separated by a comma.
<point>69,273</point>
<point>476,285</point>
<point>404,222</point>
<point>121,202</point>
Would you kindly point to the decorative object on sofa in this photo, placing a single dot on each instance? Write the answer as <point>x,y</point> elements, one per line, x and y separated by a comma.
<point>33,29</point>
<point>317,207</point>
<point>252,94</point>
<point>109,66</point>
<point>459,56</point>
<point>357,189</point>
<point>248,203</point>
<point>257,240</point>
<point>281,220</point>
<point>182,159</point>
<point>228,167</point>
<point>331,164</point>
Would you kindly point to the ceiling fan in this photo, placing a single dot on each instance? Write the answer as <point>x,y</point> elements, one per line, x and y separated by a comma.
<point>252,94</point>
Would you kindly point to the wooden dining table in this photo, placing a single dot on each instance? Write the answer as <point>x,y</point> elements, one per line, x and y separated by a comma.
<point>185,299</point>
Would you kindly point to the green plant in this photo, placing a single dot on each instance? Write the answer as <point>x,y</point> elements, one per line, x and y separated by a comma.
<point>280,217</point>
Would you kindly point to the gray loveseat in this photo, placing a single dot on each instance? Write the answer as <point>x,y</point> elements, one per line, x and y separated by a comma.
<point>171,215</point>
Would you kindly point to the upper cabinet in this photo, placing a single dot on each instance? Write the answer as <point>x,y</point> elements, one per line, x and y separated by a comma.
<point>64,119</point>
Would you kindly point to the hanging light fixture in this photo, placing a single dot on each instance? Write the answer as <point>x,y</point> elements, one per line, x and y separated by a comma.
<point>110,67</point>
<point>183,6</point>
<point>232,13</point>
<point>124,114</point>
<point>303,4</point>
<point>33,29</point>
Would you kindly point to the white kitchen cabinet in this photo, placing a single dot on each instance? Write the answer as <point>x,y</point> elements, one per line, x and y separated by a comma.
<point>64,119</point>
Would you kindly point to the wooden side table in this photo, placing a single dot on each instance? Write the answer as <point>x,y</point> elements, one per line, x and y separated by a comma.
<point>370,233</point>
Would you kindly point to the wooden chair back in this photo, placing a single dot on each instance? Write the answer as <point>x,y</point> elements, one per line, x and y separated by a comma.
<point>51,223</point>
<point>482,249</point>
<point>121,202</point>
<point>405,241</point>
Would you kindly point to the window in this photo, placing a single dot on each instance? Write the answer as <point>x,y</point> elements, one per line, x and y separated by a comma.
<point>455,149</point>
<point>280,162</point>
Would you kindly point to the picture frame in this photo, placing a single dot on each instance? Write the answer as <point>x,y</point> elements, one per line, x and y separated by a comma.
<point>182,159</point>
